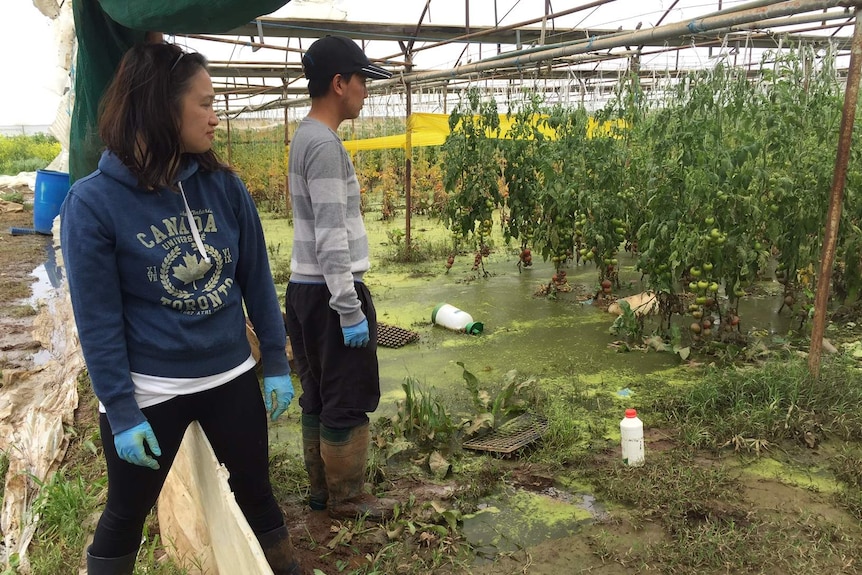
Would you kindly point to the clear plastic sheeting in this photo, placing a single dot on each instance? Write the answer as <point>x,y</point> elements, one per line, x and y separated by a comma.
<point>37,403</point>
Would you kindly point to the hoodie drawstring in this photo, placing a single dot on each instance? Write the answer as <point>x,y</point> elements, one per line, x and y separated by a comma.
<point>193,226</point>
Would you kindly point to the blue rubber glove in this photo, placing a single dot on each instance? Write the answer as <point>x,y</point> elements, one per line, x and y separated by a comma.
<point>282,387</point>
<point>130,445</point>
<point>356,335</point>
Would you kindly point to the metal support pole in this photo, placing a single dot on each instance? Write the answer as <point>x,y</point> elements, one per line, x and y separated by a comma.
<point>833,217</point>
<point>408,163</point>
<point>287,205</point>
<point>227,122</point>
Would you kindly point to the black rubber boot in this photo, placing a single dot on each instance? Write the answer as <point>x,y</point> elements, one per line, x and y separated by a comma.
<point>344,454</point>
<point>278,551</point>
<point>318,493</point>
<point>111,565</point>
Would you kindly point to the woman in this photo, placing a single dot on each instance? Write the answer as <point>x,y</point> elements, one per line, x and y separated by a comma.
<point>163,249</point>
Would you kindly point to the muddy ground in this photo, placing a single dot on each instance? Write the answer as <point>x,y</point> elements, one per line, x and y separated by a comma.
<point>613,541</point>
<point>19,256</point>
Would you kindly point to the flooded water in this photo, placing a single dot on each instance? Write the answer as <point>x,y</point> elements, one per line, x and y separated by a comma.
<point>48,277</point>
<point>534,335</point>
<point>43,291</point>
<point>540,337</point>
<point>519,519</point>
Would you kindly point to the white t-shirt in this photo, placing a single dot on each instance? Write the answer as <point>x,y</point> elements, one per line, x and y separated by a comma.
<point>152,390</point>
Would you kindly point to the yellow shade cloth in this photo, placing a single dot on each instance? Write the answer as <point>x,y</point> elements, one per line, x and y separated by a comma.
<point>432,130</point>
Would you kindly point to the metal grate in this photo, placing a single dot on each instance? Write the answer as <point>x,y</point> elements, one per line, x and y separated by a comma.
<point>512,435</point>
<point>394,336</point>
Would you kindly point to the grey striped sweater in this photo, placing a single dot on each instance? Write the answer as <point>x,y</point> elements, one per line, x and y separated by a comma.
<point>329,240</point>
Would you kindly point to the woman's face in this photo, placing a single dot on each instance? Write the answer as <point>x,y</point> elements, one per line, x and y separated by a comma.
<point>197,116</point>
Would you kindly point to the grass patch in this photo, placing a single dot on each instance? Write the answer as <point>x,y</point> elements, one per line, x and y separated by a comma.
<point>4,469</point>
<point>20,311</point>
<point>64,505</point>
<point>12,289</point>
<point>847,468</point>
<point>709,525</point>
<point>287,474</point>
<point>420,249</point>
<point>14,197</point>
<point>755,407</point>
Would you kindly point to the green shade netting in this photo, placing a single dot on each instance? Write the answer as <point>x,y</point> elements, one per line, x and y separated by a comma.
<point>105,29</point>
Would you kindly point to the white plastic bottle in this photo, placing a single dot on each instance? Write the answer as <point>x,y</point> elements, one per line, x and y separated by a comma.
<point>632,438</point>
<point>455,319</point>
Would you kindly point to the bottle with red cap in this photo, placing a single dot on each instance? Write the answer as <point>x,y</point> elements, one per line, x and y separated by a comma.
<point>632,438</point>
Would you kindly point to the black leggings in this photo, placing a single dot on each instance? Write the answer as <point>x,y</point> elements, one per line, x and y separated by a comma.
<point>234,419</point>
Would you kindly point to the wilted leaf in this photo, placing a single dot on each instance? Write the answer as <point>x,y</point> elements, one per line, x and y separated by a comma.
<point>395,533</point>
<point>399,445</point>
<point>344,536</point>
<point>481,422</point>
<point>452,517</point>
<point>427,539</point>
<point>438,464</point>
<point>656,343</point>
<point>683,352</point>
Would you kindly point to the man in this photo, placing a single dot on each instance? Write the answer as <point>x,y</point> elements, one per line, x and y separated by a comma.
<point>330,317</point>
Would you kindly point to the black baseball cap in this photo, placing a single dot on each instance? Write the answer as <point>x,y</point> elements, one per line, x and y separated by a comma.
<point>333,55</point>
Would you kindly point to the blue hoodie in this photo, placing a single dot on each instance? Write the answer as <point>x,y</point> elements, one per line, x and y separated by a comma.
<point>144,298</point>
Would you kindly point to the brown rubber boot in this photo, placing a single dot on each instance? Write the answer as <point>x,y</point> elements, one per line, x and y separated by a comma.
<point>344,453</point>
<point>278,551</point>
<point>318,493</point>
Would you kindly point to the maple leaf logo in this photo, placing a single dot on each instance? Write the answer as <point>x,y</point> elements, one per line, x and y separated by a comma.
<point>191,270</point>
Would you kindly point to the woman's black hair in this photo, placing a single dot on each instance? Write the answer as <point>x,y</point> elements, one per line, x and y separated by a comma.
<point>140,113</point>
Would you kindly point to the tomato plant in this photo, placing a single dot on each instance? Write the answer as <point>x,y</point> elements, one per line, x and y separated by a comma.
<point>470,175</point>
<point>523,164</point>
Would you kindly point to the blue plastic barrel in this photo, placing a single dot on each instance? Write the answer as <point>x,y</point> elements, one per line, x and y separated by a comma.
<point>51,190</point>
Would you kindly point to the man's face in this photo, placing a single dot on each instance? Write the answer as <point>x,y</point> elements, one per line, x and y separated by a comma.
<point>354,92</point>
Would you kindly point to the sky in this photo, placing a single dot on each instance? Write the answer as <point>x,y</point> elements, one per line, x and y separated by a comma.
<point>30,89</point>
<point>32,81</point>
<point>28,65</point>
